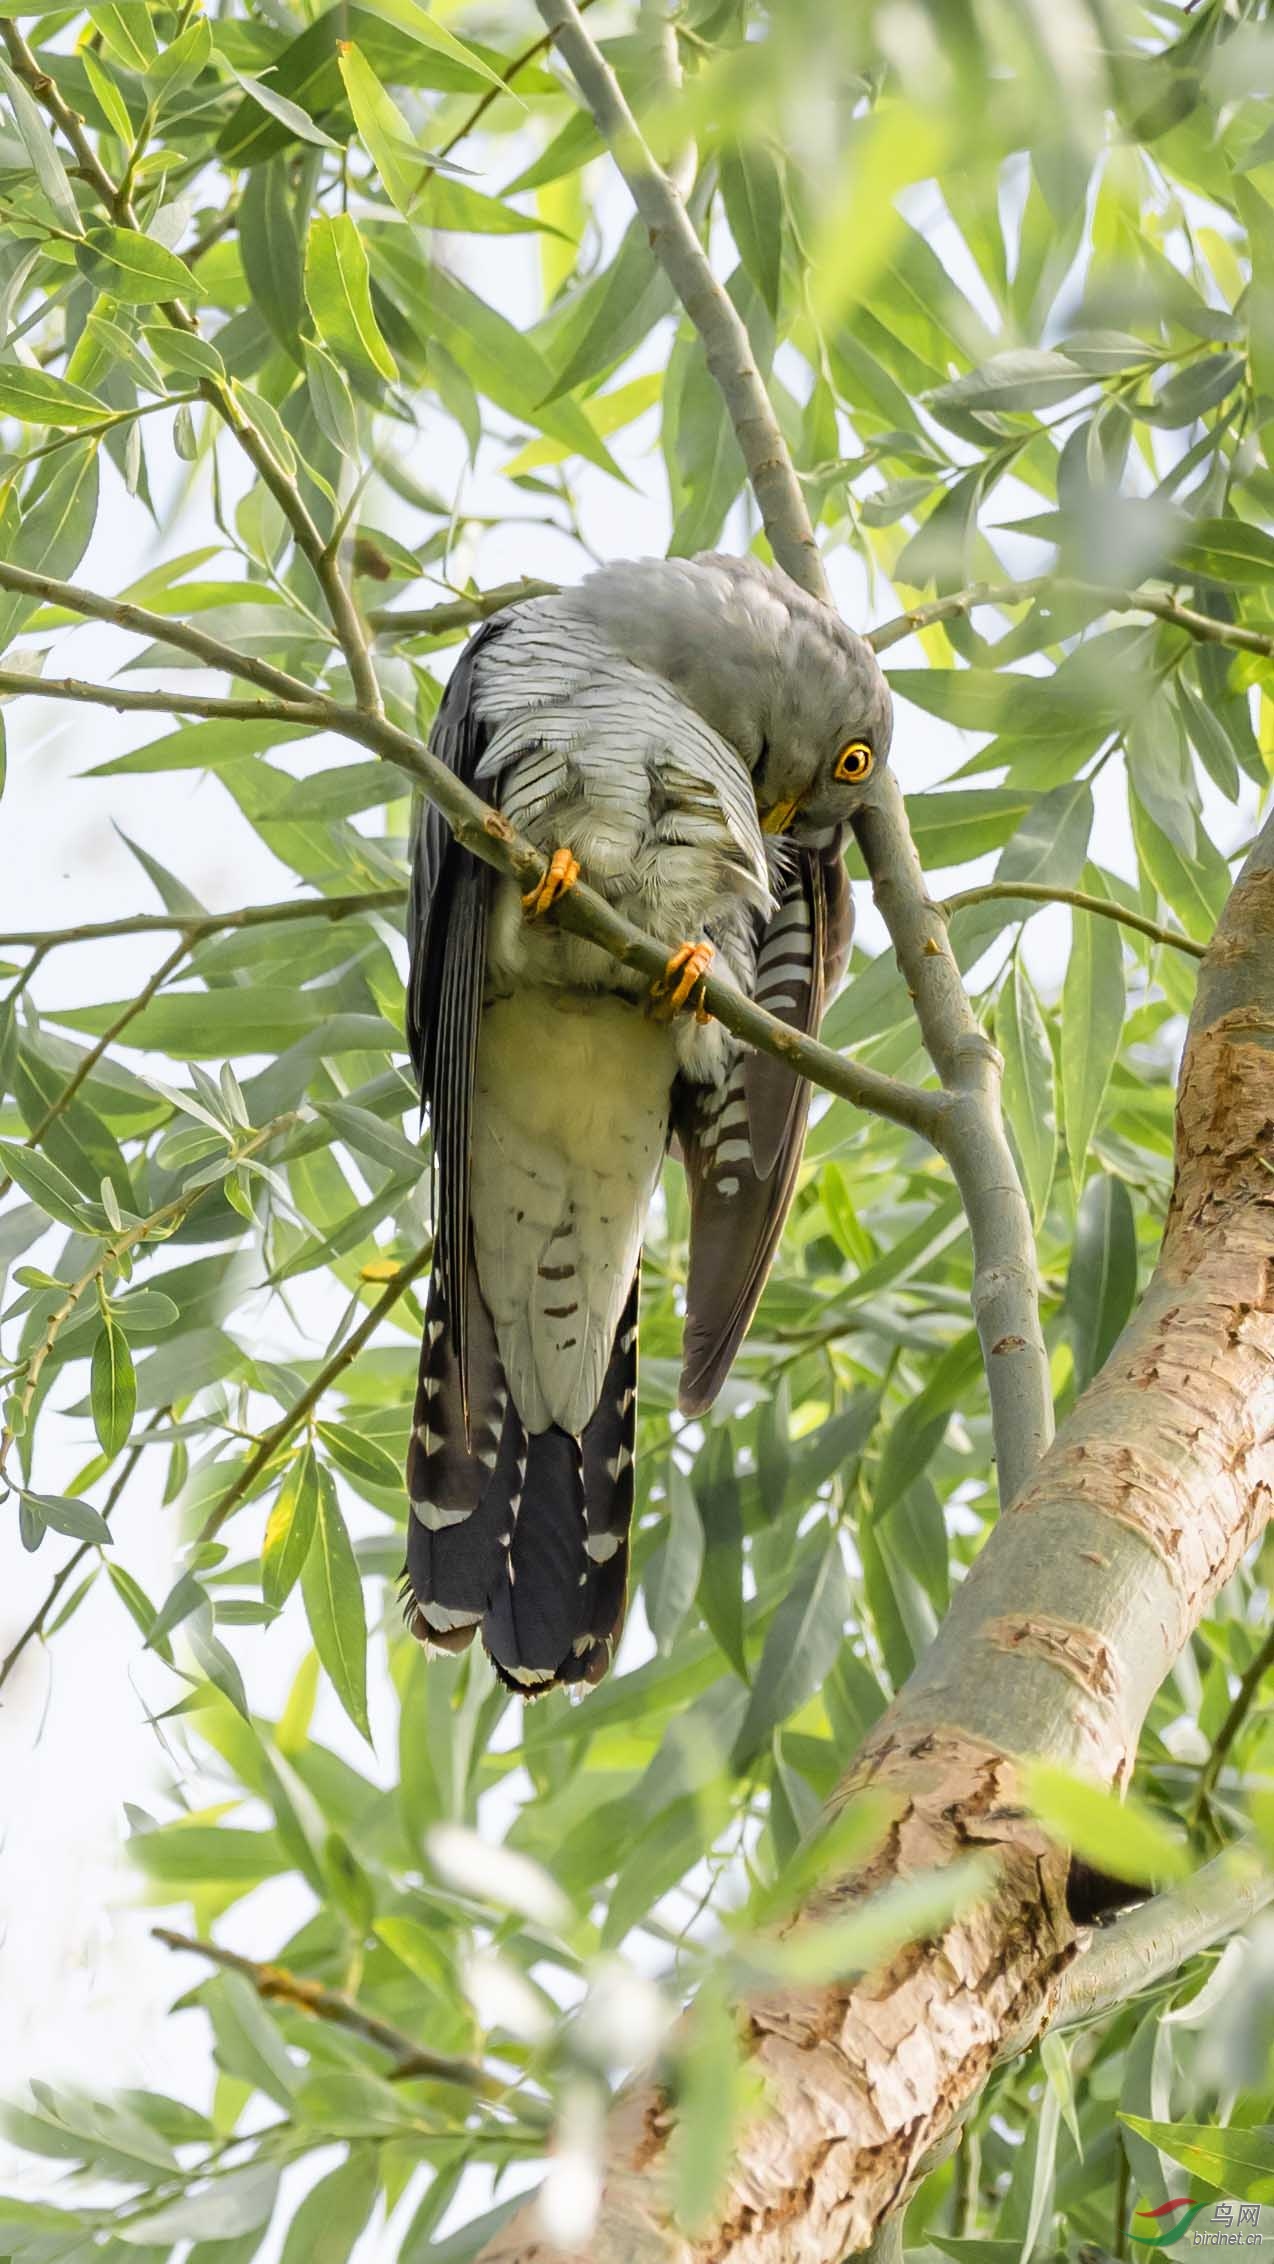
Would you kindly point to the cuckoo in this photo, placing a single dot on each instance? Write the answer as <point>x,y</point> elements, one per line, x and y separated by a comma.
<point>692,736</point>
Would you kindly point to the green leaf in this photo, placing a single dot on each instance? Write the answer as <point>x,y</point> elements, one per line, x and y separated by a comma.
<point>721,1580</point>
<point>248,2043</point>
<point>1101,1286</point>
<point>407,16</point>
<point>1228,551</point>
<point>113,1388</point>
<point>334,2212</point>
<point>64,1513</point>
<point>804,1638</point>
<point>360,1458</point>
<point>289,114</point>
<point>127,31</point>
<point>133,267</point>
<point>672,1578</point>
<point>208,1025</point>
<point>290,1529</point>
<point>1027,377</point>
<point>54,532</point>
<point>1195,887</point>
<point>712,2090</point>
<point>50,1188</point>
<point>1236,2161</point>
<point>752,190</point>
<point>1120,1837</point>
<point>270,249</point>
<point>338,294</point>
<point>1030,1108</point>
<point>1092,1026</point>
<point>333,1593</point>
<point>236,2203</point>
<point>42,151</point>
<point>385,132</point>
<point>1051,843</point>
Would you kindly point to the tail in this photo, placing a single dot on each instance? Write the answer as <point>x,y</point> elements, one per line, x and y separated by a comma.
<point>521,1536</point>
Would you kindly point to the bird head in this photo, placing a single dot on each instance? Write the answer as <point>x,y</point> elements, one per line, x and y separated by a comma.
<point>795,692</point>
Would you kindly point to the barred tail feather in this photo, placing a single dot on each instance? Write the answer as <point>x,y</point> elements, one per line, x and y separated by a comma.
<point>519,1536</point>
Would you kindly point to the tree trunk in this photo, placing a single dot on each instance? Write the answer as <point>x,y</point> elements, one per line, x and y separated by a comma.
<point>1055,1644</point>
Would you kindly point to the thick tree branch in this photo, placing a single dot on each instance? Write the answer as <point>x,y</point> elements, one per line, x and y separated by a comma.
<point>411,2061</point>
<point>1085,1593</point>
<point>1151,1943</point>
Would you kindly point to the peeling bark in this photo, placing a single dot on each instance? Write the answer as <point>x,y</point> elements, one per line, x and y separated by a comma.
<point>1161,1479</point>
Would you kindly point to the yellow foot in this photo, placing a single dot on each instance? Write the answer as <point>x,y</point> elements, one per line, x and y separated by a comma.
<point>680,980</point>
<point>561,874</point>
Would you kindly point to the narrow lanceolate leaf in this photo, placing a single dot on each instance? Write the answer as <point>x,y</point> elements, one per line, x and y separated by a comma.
<point>385,132</point>
<point>338,294</point>
<point>1029,1106</point>
<point>1092,1023</point>
<point>804,1638</point>
<point>134,267</point>
<point>1101,1286</point>
<point>410,17</point>
<point>290,1529</point>
<point>1123,1838</point>
<point>711,2093</point>
<point>333,1595</point>
<point>361,1459</point>
<point>65,1514</point>
<point>1233,2161</point>
<point>113,1387</point>
<point>37,397</point>
<point>41,149</point>
<point>49,1187</point>
<point>673,1577</point>
<point>289,114</point>
<point>752,187</point>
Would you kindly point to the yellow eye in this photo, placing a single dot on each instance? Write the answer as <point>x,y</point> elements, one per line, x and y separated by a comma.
<point>854,762</point>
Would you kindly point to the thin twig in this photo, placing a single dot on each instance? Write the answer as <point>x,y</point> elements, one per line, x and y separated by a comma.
<point>1244,1696</point>
<point>14,683</point>
<point>276,1984</point>
<point>458,612</point>
<point>725,339</point>
<point>88,1062</point>
<point>1037,892</point>
<point>475,117</point>
<point>295,1415</point>
<point>39,1618</point>
<point>209,923</point>
<point>1159,606</point>
<point>122,614</point>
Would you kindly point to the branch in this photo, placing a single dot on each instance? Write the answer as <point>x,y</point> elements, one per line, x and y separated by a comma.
<point>277,1985</point>
<point>1086,1591</point>
<point>1233,1723</point>
<point>203,924</point>
<point>39,1618</point>
<point>725,340</point>
<point>88,1062</point>
<point>295,1415</point>
<point>463,612</point>
<point>15,683</point>
<point>1037,892</point>
<point>123,615</point>
<point>1151,1943</point>
<point>1160,608</point>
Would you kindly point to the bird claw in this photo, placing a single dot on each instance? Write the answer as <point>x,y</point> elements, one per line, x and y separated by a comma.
<point>681,978</point>
<point>561,873</point>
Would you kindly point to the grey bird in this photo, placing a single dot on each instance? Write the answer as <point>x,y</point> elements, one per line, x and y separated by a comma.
<point>692,735</point>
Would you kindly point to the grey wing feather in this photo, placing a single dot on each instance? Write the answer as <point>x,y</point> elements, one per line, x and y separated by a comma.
<point>447,931</point>
<point>741,1142</point>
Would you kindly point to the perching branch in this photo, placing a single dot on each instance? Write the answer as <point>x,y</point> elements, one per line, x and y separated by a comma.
<point>1150,1944</point>
<point>292,1418</point>
<point>481,828</point>
<point>276,1984</point>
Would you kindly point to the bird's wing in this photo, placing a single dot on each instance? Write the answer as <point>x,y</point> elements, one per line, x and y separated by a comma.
<point>447,934</point>
<point>741,1141</point>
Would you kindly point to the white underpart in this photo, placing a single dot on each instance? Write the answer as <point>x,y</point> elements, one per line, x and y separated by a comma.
<point>570,1124</point>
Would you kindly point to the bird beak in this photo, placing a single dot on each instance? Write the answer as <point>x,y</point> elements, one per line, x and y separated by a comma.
<point>779,818</point>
